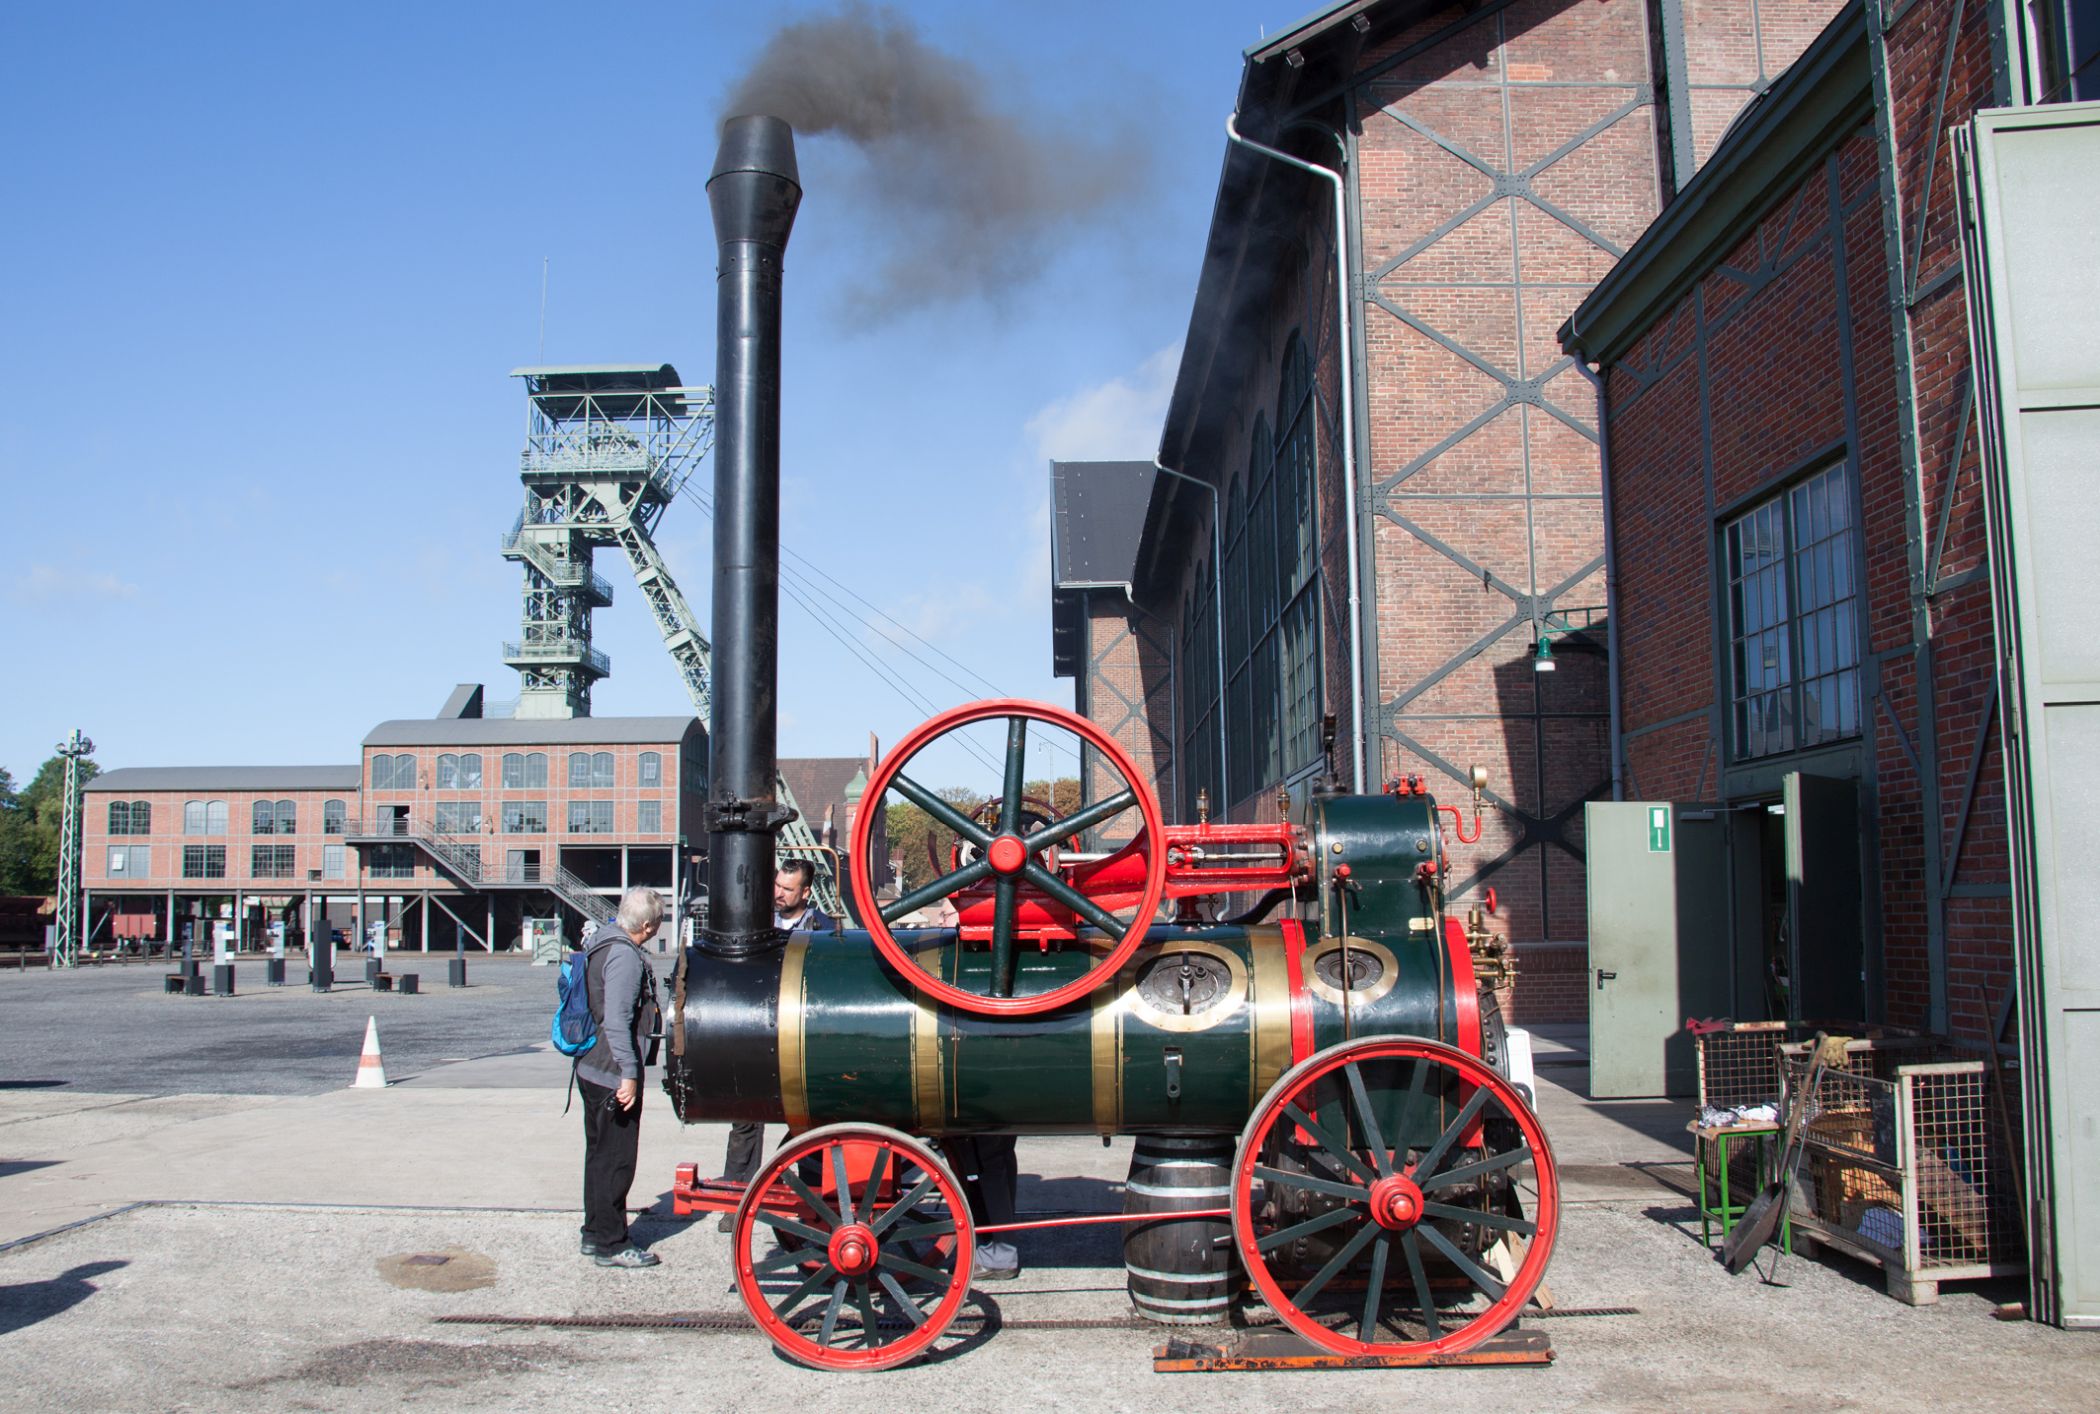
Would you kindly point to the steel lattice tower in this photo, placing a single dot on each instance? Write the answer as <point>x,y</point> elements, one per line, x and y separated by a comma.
<point>71,929</point>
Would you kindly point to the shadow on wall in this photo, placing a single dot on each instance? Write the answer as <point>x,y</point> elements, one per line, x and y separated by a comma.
<point>34,1301</point>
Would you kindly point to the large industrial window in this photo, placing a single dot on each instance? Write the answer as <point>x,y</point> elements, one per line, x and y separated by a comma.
<point>204,817</point>
<point>393,772</point>
<point>393,861</point>
<point>130,861</point>
<point>332,815</point>
<point>1793,619</point>
<point>272,861</point>
<point>651,766</point>
<point>458,817</point>
<point>590,817</point>
<point>204,861</point>
<point>459,772</point>
<point>2060,44</point>
<point>331,861</point>
<point>130,817</point>
<point>1198,760</point>
<point>274,817</point>
<point>1272,625</point>
<point>649,817</point>
<point>588,769</point>
<point>524,817</point>
<point>524,771</point>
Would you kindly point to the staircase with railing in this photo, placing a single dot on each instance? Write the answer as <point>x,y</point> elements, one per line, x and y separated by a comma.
<point>464,861</point>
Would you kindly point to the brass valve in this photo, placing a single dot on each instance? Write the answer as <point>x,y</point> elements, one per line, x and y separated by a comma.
<point>1494,964</point>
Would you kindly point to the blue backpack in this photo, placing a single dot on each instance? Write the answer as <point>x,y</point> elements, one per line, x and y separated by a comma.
<point>575,1030</point>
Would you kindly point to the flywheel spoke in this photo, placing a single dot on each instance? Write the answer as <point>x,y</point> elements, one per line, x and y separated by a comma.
<point>1006,904</point>
<point>1079,821</point>
<point>801,1293</point>
<point>1071,898</point>
<point>941,810</point>
<point>789,1225</point>
<point>1016,775</point>
<point>939,889</point>
<point>831,1313</point>
<point>870,1328</point>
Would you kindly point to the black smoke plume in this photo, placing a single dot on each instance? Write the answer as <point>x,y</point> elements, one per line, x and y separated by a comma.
<point>959,198</point>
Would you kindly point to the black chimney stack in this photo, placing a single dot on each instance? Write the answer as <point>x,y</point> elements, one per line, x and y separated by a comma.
<point>753,193</point>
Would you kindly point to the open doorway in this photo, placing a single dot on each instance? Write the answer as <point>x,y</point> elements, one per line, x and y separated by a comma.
<point>1757,856</point>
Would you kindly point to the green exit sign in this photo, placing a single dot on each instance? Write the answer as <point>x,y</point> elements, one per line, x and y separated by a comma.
<point>1658,829</point>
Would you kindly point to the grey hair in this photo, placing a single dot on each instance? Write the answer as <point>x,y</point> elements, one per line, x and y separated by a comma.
<point>641,909</point>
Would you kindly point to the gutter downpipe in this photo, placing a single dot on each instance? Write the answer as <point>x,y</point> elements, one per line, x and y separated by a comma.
<point>1348,420</point>
<point>1217,611</point>
<point>1611,581</point>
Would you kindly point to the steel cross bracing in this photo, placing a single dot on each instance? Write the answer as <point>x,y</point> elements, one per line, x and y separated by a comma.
<point>1513,186</point>
<point>71,933</point>
<point>599,472</point>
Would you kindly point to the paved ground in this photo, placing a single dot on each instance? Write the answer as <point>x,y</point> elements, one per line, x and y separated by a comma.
<point>271,1270</point>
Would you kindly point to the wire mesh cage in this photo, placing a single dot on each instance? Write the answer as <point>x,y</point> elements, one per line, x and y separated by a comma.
<point>1739,1064</point>
<point>1906,1163</point>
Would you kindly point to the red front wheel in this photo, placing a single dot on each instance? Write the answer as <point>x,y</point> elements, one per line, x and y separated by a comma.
<point>873,1261</point>
<point>1378,1199</point>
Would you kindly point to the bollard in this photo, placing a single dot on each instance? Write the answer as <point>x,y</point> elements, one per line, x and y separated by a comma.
<point>221,979</point>
<point>273,971</point>
<point>410,984</point>
<point>456,972</point>
<point>372,970</point>
<point>193,986</point>
<point>320,966</point>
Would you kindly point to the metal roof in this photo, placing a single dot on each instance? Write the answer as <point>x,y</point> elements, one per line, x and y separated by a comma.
<point>1098,514</point>
<point>126,780</point>
<point>589,377</point>
<point>612,390</point>
<point>531,731</point>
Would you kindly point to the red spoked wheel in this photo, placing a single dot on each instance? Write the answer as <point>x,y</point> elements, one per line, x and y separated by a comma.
<point>874,1262</point>
<point>1376,1201</point>
<point>1118,896</point>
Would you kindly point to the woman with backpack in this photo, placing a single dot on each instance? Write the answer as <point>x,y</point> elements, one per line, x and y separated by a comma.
<point>619,986</point>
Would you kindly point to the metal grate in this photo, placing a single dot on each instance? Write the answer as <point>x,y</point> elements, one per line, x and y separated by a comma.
<point>1965,1210</point>
<point>1740,1066</point>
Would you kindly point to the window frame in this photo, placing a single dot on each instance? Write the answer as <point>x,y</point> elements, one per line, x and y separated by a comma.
<point>649,768</point>
<point>209,861</point>
<point>335,817</point>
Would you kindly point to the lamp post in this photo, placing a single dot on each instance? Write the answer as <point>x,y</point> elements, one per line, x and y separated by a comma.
<point>1217,613</point>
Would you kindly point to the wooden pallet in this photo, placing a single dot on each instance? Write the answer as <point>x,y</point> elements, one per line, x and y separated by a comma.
<point>1274,1348</point>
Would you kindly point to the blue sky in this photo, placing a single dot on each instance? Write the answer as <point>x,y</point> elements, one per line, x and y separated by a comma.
<point>270,265</point>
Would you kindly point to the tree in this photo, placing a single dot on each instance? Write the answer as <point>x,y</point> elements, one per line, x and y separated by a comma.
<point>29,827</point>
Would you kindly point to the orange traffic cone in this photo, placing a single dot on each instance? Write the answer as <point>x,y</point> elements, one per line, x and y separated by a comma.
<point>371,1070</point>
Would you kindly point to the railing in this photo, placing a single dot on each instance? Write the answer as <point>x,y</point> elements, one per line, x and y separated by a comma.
<point>559,572</point>
<point>467,861</point>
<point>558,650</point>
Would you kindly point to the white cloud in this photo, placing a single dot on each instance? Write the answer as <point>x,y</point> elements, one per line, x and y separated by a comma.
<point>49,583</point>
<point>1118,420</point>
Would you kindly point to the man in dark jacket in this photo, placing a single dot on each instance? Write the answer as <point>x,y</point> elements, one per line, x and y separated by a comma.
<point>622,989</point>
<point>792,913</point>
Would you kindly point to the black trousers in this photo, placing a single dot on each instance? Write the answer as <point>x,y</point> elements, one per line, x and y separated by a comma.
<point>989,1172</point>
<point>611,1137</point>
<point>746,1143</point>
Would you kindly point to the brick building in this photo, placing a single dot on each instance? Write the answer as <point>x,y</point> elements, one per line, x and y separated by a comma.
<point>450,830</point>
<point>1388,473</point>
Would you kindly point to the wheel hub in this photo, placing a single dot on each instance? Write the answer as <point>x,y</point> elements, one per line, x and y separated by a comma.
<point>1396,1202</point>
<point>853,1250</point>
<point>1007,854</point>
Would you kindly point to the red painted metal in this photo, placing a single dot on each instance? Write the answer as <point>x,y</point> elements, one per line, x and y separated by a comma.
<point>852,1246</point>
<point>1301,999</point>
<point>1465,992</point>
<point>1100,1219</point>
<point>1458,823</point>
<point>1463,1330</point>
<point>1133,878</point>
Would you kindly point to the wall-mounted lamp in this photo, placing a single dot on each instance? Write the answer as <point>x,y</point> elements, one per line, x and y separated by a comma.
<point>1560,623</point>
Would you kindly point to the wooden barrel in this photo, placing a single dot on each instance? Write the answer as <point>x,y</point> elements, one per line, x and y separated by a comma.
<point>1180,1273</point>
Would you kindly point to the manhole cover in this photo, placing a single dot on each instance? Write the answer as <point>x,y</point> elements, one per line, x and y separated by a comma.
<point>446,1269</point>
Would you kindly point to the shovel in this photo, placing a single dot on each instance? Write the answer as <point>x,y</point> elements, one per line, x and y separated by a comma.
<point>1761,1219</point>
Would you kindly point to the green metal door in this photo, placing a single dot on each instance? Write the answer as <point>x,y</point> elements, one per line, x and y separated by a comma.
<point>1826,952</point>
<point>1658,890</point>
<point>2031,262</point>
